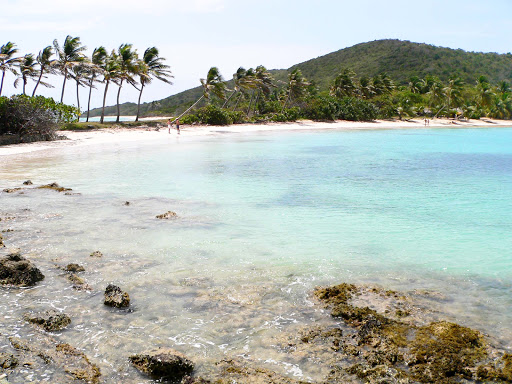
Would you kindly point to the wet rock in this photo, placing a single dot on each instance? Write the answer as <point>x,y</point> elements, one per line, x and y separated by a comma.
<point>96,254</point>
<point>233,371</point>
<point>8,361</point>
<point>12,190</point>
<point>74,268</point>
<point>115,297</point>
<point>126,203</point>
<point>27,182</point>
<point>2,245</point>
<point>55,187</point>
<point>78,283</point>
<point>16,270</point>
<point>50,321</point>
<point>168,215</point>
<point>163,363</point>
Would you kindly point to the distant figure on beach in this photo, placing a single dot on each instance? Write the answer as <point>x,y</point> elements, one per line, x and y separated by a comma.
<point>169,123</point>
<point>427,122</point>
<point>178,126</point>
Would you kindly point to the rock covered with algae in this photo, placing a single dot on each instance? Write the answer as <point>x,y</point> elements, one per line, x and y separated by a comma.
<point>115,297</point>
<point>17,270</point>
<point>163,363</point>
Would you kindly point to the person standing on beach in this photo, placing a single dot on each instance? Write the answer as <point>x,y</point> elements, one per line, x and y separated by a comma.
<point>169,123</point>
<point>178,126</point>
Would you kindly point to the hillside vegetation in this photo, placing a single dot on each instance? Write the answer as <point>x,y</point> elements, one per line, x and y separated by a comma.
<point>401,60</point>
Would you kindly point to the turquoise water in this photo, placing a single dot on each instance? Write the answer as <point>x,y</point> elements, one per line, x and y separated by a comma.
<point>266,217</point>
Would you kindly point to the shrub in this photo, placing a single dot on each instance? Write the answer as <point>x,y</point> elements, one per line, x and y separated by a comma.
<point>289,114</point>
<point>323,108</point>
<point>26,118</point>
<point>354,109</point>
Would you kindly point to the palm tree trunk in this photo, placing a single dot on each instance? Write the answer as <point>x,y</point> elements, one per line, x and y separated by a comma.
<point>63,86</point>
<point>250,104</point>
<point>192,106</point>
<point>104,99</point>
<point>256,102</point>
<point>78,98</point>
<point>89,101</point>
<point>236,104</point>
<point>138,104</point>
<point>118,93</point>
<point>286,101</point>
<point>2,83</point>
<point>24,85</point>
<point>38,81</point>
<point>229,98</point>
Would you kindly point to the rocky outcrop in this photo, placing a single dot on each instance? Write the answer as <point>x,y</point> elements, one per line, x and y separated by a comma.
<point>167,215</point>
<point>96,254</point>
<point>8,361</point>
<point>16,270</point>
<point>50,321</point>
<point>163,363</point>
<point>2,245</point>
<point>55,187</point>
<point>115,297</point>
<point>74,268</point>
<point>27,182</point>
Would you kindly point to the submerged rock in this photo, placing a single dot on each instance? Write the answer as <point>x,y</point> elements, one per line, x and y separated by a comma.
<point>115,297</point>
<point>50,321</point>
<point>168,215</point>
<point>96,254</point>
<point>2,245</point>
<point>55,187</point>
<point>163,363</point>
<point>12,190</point>
<point>74,268</point>
<point>16,270</point>
<point>27,182</point>
<point>8,361</point>
<point>78,283</point>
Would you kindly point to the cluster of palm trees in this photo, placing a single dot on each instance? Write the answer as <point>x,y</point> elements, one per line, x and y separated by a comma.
<point>120,67</point>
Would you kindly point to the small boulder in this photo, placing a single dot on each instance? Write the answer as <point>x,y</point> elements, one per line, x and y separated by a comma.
<point>28,182</point>
<point>163,363</point>
<point>78,283</point>
<point>8,361</point>
<point>2,245</point>
<point>126,203</point>
<point>96,254</point>
<point>49,320</point>
<point>16,270</point>
<point>55,187</point>
<point>74,268</point>
<point>115,297</point>
<point>168,215</point>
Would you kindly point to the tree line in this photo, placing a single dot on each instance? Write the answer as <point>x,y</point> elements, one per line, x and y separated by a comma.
<point>119,67</point>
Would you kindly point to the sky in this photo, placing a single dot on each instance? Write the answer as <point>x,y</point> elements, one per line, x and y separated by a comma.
<point>194,35</point>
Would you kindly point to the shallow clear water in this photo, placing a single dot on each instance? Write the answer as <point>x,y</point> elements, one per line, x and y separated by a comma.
<point>263,219</point>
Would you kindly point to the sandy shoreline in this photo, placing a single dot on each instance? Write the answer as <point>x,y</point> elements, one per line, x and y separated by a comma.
<point>145,133</point>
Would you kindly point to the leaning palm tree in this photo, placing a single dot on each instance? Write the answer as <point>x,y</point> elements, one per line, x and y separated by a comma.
<point>343,84</point>
<point>151,66</point>
<point>110,70</point>
<point>28,70</point>
<point>45,65</point>
<point>69,55</point>
<point>213,84</point>
<point>98,58</point>
<point>297,86</point>
<point>127,68</point>
<point>79,73</point>
<point>7,61</point>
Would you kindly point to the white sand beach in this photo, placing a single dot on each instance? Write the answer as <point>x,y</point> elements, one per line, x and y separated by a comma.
<point>122,134</point>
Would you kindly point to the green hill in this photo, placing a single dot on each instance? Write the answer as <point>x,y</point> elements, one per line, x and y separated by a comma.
<point>399,59</point>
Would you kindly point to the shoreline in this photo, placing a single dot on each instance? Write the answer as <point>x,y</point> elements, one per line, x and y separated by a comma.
<point>102,136</point>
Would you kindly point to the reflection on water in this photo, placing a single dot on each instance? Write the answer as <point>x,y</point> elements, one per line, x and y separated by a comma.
<point>261,223</point>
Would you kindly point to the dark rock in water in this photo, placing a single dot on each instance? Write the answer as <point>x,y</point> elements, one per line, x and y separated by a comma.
<point>115,297</point>
<point>126,203</point>
<point>12,190</point>
<point>2,245</point>
<point>16,270</point>
<point>8,361</point>
<point>163,363</point>
<point>168,215</point>
<point>28,182</point>
<point>74,268</point>
<point>78,283</point>
<point>96,254</point>
<point>55,187</point>
<point>50,320</point>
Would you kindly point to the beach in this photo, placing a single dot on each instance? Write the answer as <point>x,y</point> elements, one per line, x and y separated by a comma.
<point>222,236</point>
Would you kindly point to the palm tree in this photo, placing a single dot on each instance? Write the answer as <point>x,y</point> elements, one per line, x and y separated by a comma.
<point>45,65</point>
<point>415,84</point>
<point>343,85</point>
<point>98,58</point>
<point>264,82</point>
<point>151,66</point>
<point>453,91</point>
<point>366,88</point>
<point>110,70</point>
<point>382,84</point>
<point>297,85</point>
<point>485,95</point>
<point>127,68</point>
<point>79,73</point>
<point>7,61</point>
<point>213,84</point>
<point>246,82</point>
<point>67,57</point>
<point>27,71</point>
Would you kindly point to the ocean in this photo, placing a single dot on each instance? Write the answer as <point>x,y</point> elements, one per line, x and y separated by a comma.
<point>263,218</point>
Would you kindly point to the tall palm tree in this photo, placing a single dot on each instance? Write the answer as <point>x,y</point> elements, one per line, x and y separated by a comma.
<point>297,86</point>
<point>127,68</point>
<point>7,61</point>
<point>110,70</point>
<point>366,88</point>
<point>453,91</point>
<point>485,95</point>
<point>45,65</point>
<point>343,84</point>
<point>28,70</point>
<point>238,77</point>
<point>79,73</point>
<point>151,66</point>
<point>213,84</point>
<point>98,58</point>
<point>69,55</point>
<point>247,81</point>
<point>415,84</point>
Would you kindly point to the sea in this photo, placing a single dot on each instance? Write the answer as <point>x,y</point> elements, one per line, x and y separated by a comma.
<point>263,219</point>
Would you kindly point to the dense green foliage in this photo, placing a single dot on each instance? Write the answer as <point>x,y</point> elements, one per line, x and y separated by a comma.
<point>24,118</point>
